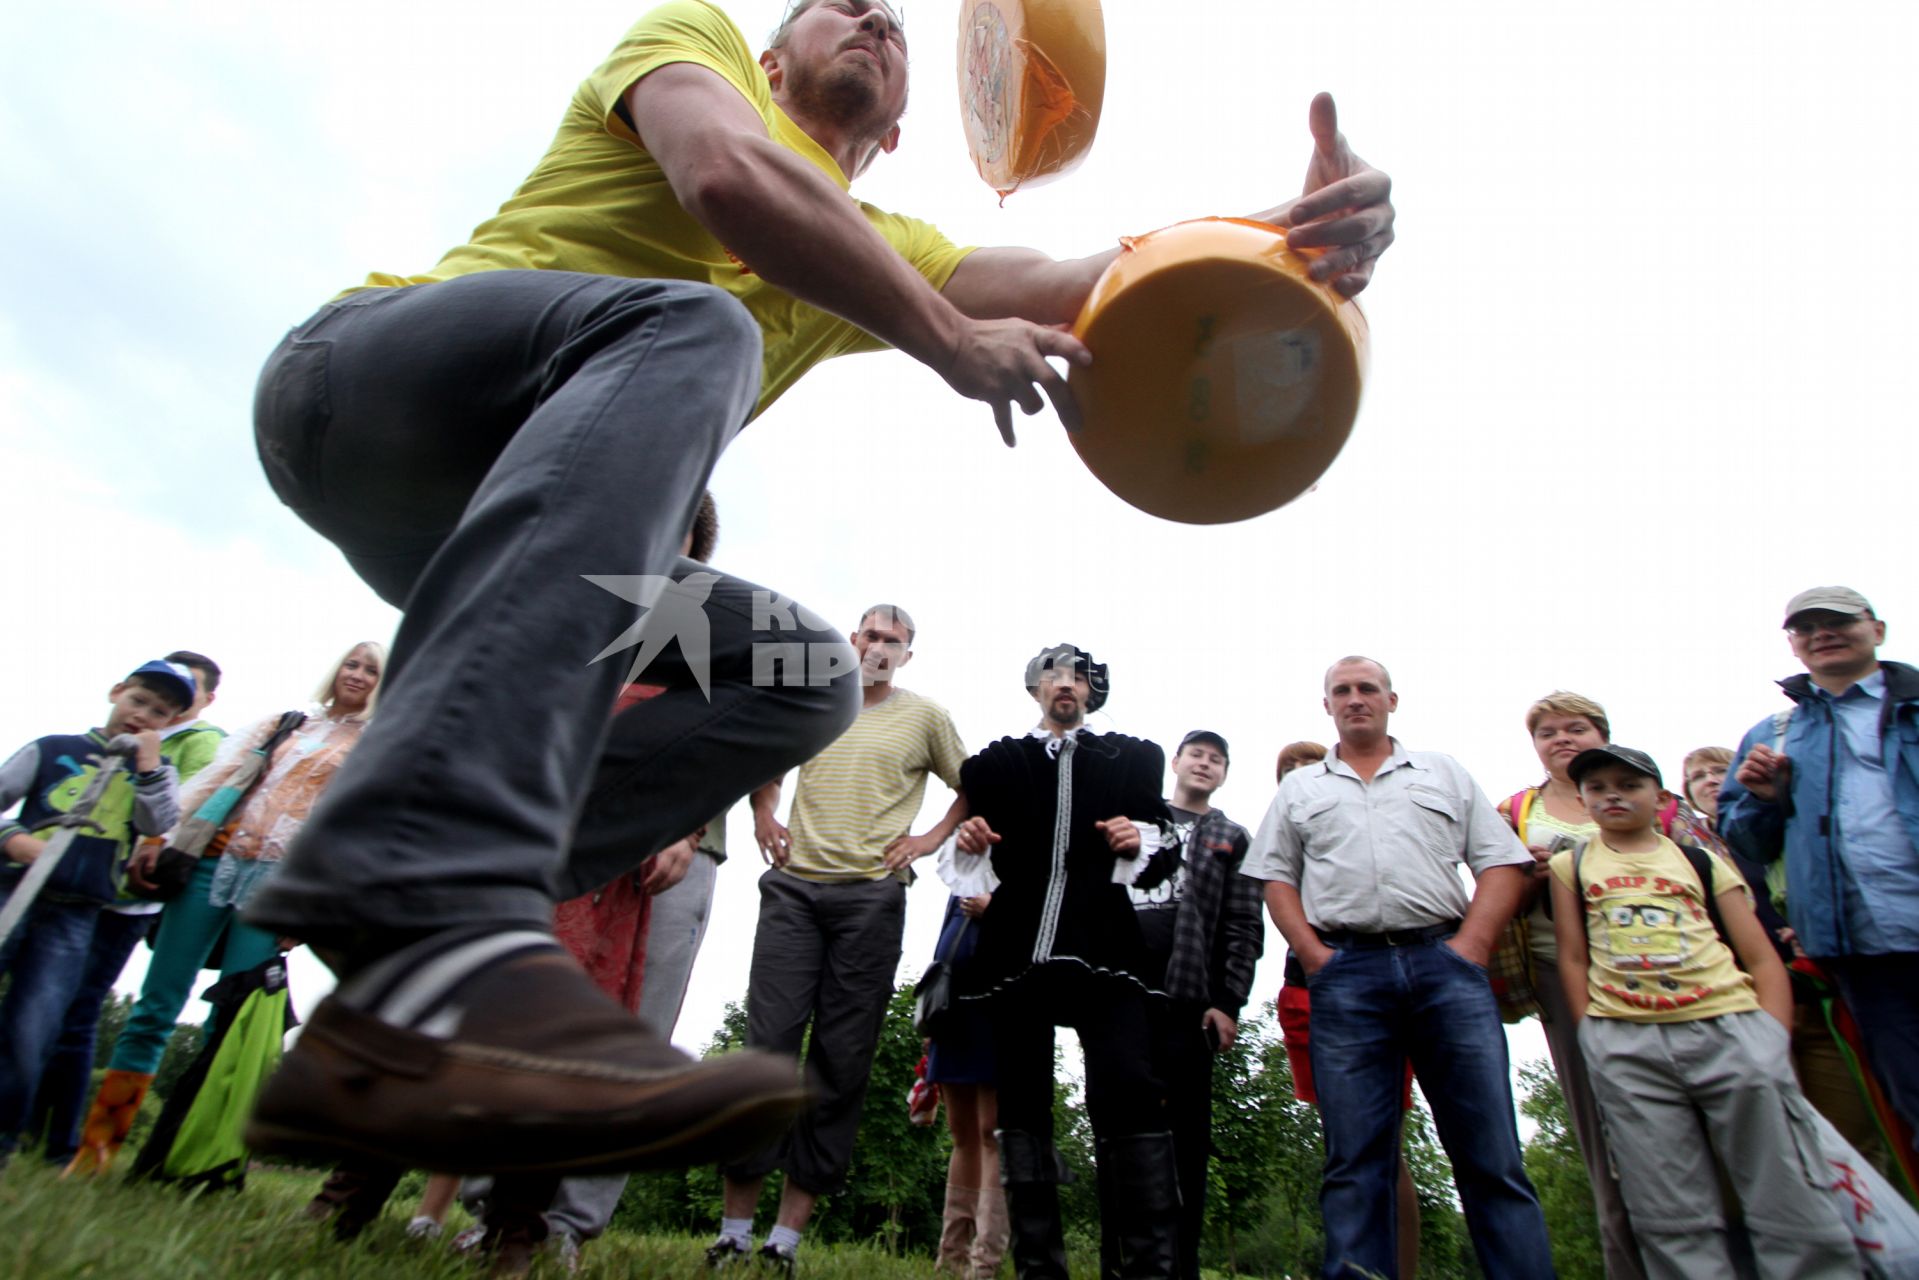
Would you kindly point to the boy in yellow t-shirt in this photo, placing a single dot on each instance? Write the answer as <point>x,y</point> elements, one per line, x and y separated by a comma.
<point>1683,1009</point>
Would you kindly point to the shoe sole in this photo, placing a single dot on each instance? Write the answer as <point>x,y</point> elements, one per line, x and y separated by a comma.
<point>732,1131</point>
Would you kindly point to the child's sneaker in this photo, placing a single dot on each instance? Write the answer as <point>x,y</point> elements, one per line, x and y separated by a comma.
<point>423,1228</point>
<point>724,1252</point>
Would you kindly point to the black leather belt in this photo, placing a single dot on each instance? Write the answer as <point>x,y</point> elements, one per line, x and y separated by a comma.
<point>1390,938</point>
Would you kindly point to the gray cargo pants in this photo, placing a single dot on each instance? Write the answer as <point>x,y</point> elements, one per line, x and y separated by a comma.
<point>1670,1096</point>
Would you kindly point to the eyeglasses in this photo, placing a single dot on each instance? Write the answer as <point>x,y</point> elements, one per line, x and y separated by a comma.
<point>1810,626</point>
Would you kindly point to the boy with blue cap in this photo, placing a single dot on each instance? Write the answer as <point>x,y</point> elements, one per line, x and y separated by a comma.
<point>46,954</point>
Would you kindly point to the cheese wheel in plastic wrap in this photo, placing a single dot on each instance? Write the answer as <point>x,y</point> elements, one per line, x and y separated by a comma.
<point>1224,381</point>
<point>1032,74</point>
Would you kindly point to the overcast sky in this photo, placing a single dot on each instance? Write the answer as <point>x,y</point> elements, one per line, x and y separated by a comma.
<point>1640,365</point>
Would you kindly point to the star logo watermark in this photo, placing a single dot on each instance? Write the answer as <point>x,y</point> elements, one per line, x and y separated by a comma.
<point>670,609</point>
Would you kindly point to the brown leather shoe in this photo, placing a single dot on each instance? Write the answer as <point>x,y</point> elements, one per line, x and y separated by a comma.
<point>543,1073</point>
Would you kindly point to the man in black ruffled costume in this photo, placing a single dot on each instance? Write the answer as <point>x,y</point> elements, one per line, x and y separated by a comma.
<point>1060,946</point>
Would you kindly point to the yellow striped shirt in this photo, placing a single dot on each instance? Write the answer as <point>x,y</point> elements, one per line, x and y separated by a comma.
<point>863,792</point>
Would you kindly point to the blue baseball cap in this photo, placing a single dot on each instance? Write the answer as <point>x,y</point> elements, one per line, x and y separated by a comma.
<point>172,677</point>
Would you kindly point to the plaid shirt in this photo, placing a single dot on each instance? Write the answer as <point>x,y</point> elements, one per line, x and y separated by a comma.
<point>1219,930</point>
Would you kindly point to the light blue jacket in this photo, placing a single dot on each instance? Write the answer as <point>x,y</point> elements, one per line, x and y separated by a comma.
<point>1800,826</point>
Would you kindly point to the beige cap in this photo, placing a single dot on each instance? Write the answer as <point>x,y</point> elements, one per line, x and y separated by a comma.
<point>1832,599</point>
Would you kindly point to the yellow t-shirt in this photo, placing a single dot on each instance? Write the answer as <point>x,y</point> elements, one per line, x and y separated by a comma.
<point>597,202</point>
<point>862,793</point>
<point>1655,956</point>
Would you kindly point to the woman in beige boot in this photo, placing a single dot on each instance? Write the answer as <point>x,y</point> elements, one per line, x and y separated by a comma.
<point>974,1229</point>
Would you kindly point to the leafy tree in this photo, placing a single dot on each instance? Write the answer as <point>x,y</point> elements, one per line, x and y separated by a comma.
<point>113,1020</point>
<point>1558,1174</point>
<point>183,1046</point>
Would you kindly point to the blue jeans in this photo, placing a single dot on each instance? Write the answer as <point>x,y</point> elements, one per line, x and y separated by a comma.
<point>45,957</point>
<point>62,1097</point>
<point>1373,1008</point>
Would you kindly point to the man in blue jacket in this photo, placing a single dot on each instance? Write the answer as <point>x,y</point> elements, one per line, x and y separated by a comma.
<point>1832,782</point>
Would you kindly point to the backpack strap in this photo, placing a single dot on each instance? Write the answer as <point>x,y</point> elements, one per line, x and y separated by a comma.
<point>1702,867</point>
<point>1579,887</point>
<point>1518,808</point>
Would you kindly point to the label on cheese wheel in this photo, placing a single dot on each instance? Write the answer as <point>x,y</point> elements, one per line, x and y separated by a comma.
<point>1032,74</point>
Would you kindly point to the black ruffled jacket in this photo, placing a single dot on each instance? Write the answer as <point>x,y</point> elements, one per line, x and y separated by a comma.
<point>1057,901</point>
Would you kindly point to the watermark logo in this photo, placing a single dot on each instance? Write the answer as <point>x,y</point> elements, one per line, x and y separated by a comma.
<point>675,609</point>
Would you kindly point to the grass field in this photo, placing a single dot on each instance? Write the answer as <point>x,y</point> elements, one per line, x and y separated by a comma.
<point>113,1228</point>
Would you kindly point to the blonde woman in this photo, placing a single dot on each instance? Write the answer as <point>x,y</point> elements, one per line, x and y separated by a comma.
<point>202,927</point>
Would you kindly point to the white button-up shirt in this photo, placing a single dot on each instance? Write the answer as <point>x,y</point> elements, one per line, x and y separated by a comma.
<point>1381,855</point>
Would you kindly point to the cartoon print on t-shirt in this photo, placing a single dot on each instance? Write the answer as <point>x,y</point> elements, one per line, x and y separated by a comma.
<point>1644,935</point>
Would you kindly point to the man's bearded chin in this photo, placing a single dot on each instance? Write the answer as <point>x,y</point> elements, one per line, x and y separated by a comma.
<point>840,94</point>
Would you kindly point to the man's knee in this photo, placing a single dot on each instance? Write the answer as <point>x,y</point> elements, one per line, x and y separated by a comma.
<point>726,325</point>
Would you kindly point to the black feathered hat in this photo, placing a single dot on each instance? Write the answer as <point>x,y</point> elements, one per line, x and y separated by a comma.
<point>1067,655</point>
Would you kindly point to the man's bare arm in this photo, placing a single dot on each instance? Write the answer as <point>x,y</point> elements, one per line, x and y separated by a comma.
<point>1495,901</point>
<point>1345,216</point>
<point>793,226</point>
<point>1289,913</point>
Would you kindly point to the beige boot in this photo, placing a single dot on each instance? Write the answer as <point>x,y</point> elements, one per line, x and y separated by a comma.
<point>990,1233</point>
<point>109,1121</point>
<point>956,1231</point>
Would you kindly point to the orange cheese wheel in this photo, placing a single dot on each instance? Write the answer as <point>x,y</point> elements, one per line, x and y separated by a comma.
<point>1032,74</point>
<point>1224,379</point>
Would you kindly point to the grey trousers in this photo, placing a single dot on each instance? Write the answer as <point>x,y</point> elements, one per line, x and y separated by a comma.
<point>1671,1095</point>
<point>477,448</point>
<point>674,933</point>
<point>825,955</point>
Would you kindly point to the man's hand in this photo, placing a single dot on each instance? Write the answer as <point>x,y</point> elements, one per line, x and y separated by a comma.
<point>1122,837</point>
<point>1314,956</point>
<point>776,842</point>
<point>1223,1026</point>
<point>1469,949</point>
<point>975,907</point>
<point>975,837</point>
<point>669,866</point>
<point>908,849</point>
<point>23,848</point>
<point>1766,773</point>
<point>147,758</point>
<point>1345,207</point>
<point>1003,362</point>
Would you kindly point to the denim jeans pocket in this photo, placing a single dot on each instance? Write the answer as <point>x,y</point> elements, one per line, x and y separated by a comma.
<point>1446,945</point>
<point>291,412</point>
<point>1312,979</point>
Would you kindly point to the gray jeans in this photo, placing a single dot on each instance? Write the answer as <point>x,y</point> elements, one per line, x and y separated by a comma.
<point>674,933</point>
<point>476,448</point>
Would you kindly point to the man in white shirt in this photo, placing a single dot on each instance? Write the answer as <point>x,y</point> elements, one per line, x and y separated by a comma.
<point>1360,853</point>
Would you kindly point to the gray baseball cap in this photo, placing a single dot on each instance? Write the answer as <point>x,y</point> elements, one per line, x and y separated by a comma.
<point>1830,599</point>
<point>1612,753</point>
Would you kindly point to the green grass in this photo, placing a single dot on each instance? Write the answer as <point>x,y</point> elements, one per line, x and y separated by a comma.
<point>112,1228</point>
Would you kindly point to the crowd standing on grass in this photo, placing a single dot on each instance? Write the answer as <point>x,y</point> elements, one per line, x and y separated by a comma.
<point>1713,953</point>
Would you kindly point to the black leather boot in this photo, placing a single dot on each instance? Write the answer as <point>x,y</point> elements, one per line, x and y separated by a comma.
<point>1030,1171</point>
<point>1143,1205</point>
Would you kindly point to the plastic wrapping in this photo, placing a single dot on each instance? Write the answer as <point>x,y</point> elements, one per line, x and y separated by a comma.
<point>1224,379</point>
<point>1032,75</point>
